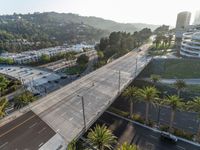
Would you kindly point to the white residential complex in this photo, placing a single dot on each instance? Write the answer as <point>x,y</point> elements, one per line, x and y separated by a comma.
<point>190,46</point>
<point>34,55</point>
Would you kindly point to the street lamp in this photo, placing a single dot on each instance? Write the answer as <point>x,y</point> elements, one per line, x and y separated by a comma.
<point>83,108</point>
<point>119,81</point>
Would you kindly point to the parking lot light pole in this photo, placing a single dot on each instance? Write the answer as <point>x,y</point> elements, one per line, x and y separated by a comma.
<point>83,108</point>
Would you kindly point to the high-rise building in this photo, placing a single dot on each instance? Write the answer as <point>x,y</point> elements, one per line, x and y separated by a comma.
<point>197,18</point>
<point>183,19</point>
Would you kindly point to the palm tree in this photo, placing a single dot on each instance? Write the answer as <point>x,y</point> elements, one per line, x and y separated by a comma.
<point>174,102</point>
<point>195,106</point>
<point>131,93</point>
<point>3,105</point>
<point>72,145</point>
<point>155,78</point>
<point>126,146</point>
<point>148,94</point>
<point>158,103</point>
<point>179,85</point>
<point>101,137</point>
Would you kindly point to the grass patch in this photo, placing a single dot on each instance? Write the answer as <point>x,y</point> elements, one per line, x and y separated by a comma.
<point>181,68</point>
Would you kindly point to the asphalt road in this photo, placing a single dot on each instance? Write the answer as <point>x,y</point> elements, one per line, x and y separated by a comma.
<point>27,132</point>
<point>183,120</point>
<point>145,138</point>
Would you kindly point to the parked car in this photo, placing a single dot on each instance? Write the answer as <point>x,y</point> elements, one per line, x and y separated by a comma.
<point>167,137</point>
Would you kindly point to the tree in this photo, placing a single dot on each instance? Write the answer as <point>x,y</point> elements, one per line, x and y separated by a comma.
<point>174,102</point>
<point>23,99</point>
<point>179,85</point>
<point>148,94</point>
<point>155,78</point>
<point>101,137</point>
<point>3,83</point>
<point>45,58</point>
<point>82,60</point>
<point>3,105</point>
<point>126,146</point>
<point>194,105</point>
<point>131,93</point>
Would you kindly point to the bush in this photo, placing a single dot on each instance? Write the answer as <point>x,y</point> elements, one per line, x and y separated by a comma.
<point>183,134</point>
<point>138,118</point>
<point>164,128</point>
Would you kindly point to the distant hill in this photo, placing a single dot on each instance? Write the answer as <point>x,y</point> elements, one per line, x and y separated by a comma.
<point>21,32</point>
<point>97,22</point>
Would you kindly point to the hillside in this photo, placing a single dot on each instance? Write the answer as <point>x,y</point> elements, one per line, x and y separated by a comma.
<point>21,32</point>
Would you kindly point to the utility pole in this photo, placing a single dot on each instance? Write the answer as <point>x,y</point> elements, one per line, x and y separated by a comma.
<point>119,81</point>
<point>136,66</point>
<point>83,108</point>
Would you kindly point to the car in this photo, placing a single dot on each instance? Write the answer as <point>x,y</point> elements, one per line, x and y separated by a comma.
<point>168,137</point>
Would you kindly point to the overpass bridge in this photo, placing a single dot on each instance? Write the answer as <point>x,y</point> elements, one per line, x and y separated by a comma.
<point>61,112</point>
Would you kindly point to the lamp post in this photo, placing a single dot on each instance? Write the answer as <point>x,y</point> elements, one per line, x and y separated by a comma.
<point>83,108</point>
<point>119,81</point>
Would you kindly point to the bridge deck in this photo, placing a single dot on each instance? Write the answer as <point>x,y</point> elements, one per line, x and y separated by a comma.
<point>62,109</point>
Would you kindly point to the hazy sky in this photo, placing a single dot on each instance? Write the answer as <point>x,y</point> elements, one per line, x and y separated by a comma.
<point>131,11</point>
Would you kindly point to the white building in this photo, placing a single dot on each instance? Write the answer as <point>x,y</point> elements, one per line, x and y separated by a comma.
<point>34,55</point>
<point>190,46</point>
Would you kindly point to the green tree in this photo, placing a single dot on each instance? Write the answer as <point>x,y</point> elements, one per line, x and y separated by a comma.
<point>179,85</point>
<point>23,99</point>
<point>3,83</point>
<point>194,105</point>
<point>126,146</point>
<point>45,58</point>
<point>175,103</point>
<point>82,60</point>
<point>101,137</point>
<point>3,105</point>
<point>148,94</point>
<point>131,94</point>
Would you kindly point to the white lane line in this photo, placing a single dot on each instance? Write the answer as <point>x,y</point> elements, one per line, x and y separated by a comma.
<point>41,130</point>
<point>71,119</point>
<point>33,125</point>
<point>3,144</point>
<point>180,147</point>
<point>40,144</point>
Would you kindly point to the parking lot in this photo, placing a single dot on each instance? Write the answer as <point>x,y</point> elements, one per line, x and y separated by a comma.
<point>31,78</point>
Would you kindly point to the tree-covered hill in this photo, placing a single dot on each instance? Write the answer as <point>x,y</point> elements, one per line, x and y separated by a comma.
<point>20,32</point>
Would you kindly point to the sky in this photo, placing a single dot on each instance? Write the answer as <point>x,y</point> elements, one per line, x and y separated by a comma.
<point>125,11</point>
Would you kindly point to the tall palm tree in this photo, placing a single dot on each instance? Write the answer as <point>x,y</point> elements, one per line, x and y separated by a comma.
<point>101,137</point>
<point>179,85</point>
<point>195,106</point>
<point>158,103</point>
<point>148,94</point>
<point>131,94</point>
<point>126,146</point>
<point>3,105</point>
<point>175,103</point>
<point>155,78</point>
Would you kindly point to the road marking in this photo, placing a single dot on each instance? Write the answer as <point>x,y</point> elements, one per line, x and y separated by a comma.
<point>71,119</point>
<point>33,125</point>
<point>17,126</point>
<point>3,145</point>
<point>180,147</point>
<point>40,144</point>
<point>191,127</point>
<point>42,130</point>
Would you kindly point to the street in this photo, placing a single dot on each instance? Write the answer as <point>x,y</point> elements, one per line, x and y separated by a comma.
<point>146,139</point>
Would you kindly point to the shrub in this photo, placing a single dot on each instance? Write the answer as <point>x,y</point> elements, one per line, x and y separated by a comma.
<point>119,112</point>
<point>138,118</point>
<point>183,134</point>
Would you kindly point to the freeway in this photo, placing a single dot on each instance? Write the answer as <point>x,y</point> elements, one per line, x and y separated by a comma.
<point>145,138</point>
<point>62,109</point>
<point>29,130</point>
